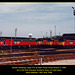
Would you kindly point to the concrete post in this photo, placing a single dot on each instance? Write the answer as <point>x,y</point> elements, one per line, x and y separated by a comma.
<point>40,61</point>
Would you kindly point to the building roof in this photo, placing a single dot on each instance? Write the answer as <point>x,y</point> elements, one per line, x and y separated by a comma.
<point>71,34</point>
<point>4,38</point>
<point>67,37</point>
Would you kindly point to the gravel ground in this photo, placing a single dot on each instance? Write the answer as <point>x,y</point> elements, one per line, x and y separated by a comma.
<point>61,62</point>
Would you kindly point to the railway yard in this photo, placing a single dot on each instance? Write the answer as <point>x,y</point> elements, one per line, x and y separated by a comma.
<point>31,56</point>
<point>40,48</point>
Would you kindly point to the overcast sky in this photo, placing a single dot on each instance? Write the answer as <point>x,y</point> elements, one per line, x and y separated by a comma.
<point>36,18</point>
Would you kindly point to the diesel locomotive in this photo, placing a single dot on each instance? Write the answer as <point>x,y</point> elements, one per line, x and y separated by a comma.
<point>65,41</point>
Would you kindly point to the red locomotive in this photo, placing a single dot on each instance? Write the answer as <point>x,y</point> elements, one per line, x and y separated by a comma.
<point>27,42</point>
<point>44,43</point>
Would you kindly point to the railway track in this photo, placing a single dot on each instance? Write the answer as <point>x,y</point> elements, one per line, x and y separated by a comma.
<point>32,57</point>
<point>35,60</point>
<point>27,50</point>
<point>36,52</point>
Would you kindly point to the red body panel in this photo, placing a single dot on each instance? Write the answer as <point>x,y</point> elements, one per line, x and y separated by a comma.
<point>55,42</point>
<point>26,43</point>
<point>1,43</point>
<point>73,43</point>
<point>67,42</point>
<point>44,42</point>
<point>8,43</point>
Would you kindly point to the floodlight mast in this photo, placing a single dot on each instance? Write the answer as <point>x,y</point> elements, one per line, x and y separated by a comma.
<point>0,33</point>
<point>15,32</point>
<point>50,33</point>
<point>46,34</point>
<point>11,45</point>
<point>55,31</point>
<point>74,17</point>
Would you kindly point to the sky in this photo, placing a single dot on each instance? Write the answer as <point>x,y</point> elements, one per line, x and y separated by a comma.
<point>36,18</point>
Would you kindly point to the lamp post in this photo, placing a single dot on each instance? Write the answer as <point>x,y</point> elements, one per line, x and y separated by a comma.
<point>46,34</point>
<point>15,32</point>
<point>50,33</point>
<point>11,45</point>
<point>0,33</point>
<point>55,31</point>
<point>74,17</point>
<point>41,34</point>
